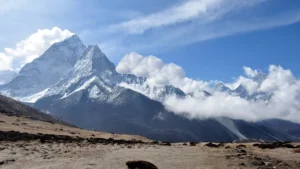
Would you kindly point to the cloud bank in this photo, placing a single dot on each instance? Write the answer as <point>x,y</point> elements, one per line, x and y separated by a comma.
<point>158,73</point>
<point>280,83</point>
<point>32,47</point>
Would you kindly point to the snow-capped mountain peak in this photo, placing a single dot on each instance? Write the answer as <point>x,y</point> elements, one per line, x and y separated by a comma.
<point>241,91</point>
<point>93,72</point>
<point>98,60</point>
<point>219,86</point>
<point>260,77</point>
<point>46,70</point>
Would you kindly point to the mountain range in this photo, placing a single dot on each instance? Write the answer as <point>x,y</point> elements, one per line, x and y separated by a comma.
<point>80,85</point>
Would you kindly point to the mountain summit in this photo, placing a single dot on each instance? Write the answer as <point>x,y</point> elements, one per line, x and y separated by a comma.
<point>46,70</point>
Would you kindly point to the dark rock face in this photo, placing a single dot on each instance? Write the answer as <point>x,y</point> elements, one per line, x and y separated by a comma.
<point>135,116</point>
<point>140,165</point>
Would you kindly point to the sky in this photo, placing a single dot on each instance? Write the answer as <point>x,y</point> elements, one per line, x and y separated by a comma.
<point>209,39</point>
<point>186,43</point>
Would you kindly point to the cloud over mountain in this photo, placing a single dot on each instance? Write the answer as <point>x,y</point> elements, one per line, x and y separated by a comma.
<point>158,73</point>
<point>280,83</point>
<point>32,47</point>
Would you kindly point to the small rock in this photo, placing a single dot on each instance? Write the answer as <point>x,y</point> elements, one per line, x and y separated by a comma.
<point>258,163</point>
<point>7,161</point>
<point>242,164</point>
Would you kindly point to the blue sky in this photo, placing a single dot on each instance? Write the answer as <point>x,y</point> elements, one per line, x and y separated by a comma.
<point>210,39</point>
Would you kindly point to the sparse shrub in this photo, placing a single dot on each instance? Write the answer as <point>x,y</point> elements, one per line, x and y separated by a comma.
<point>221,144</point>
<point>42,140</point>
<point>155,142</point>
<point>289,146</point>
<point>166,143</point>
<point>192,144</point>
<point>210,144</point>
<point>241,146</point>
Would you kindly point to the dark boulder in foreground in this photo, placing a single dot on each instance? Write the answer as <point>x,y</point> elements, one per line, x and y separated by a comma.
<point>140,165</point>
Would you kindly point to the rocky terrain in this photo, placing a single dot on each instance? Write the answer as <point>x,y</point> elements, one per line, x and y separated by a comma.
<point>27,143</point>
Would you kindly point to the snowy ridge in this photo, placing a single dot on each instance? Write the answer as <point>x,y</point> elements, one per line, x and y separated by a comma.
<point>242,92</point>
<point>158,93</point>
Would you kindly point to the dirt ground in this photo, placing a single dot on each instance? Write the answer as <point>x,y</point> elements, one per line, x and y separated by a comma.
<point>35,155</point>
<point>84,155</point>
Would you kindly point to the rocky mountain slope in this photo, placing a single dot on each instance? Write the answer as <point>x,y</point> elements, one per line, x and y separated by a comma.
<point>6,76</point>
<point>11,107</point>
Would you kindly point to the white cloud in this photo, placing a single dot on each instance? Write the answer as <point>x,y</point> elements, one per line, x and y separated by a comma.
<point>277,79</point>
<point>250,72</point>
<point>32,47</point>
<point>188,10</point>
<point>284,103</point>
<point>4,62</point>
<point>249,84</point>
<point>158,73</point>
<point>284,87</point>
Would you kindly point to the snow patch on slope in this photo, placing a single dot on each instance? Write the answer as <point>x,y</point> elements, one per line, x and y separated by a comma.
<point>33,98</point>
